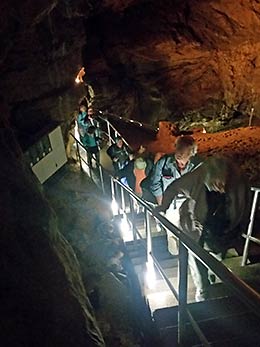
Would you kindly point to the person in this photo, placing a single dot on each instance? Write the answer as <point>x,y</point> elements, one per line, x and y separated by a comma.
<point>82,123</point>
<point>136,171</point>
<point>119,154</point>
<point>91,142</point>
<point>215,213</point>
<point>169,168</point>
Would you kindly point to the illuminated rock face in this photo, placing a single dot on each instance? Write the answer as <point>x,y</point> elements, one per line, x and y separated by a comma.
<point>148,60</point>
<point>167,58</point>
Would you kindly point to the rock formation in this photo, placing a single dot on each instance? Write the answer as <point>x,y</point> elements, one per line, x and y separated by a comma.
<point>181,60</point>
<point>43,300</point>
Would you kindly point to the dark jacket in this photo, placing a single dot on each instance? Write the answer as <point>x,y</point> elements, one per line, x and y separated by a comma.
<point>128,172</point>
<point>223,216</point>
<point>120,153</point>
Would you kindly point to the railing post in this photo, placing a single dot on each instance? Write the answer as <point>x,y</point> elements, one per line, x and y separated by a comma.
<point>132,211</point>
<point>183,274</point>
<point>250,228</point>
<point>123,201</point>
<point>148,234</point>
<point>101,177</point>
<point>113,198</point>
<point>109,133</point>
<point>79,157</point>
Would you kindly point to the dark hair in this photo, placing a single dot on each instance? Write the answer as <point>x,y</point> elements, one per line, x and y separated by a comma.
<point>118,138</point>
<point>91,130</point>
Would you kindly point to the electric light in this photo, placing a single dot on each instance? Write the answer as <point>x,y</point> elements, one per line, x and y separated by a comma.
<point>81,73</point>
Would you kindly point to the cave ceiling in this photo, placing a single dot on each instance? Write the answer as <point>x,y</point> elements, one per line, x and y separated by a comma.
<point>147,60</point>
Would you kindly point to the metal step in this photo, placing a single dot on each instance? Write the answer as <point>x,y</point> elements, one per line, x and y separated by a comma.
<point>221,320</point>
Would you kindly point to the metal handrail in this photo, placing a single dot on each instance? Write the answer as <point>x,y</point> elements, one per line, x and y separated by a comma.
<point>132,121</point>
<point>248,235</point>
<point>115,130</point>
<point>246,294</point>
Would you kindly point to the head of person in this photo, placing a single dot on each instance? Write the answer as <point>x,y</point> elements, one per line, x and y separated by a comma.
<point>90,112</point>
<point>140,163</point>
<point>216,174</point>
<point>83,109</point>
<point>119,142</point>
<point>91,130</point>
<point>185,149</point>
<point>142,149</point>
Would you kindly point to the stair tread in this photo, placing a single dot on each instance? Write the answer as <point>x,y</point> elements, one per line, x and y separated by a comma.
<point>238,328</point>
<point>201,311</point>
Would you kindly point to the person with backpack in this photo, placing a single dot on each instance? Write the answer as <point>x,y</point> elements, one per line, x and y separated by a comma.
<point>215,213</point>
<point>82,125</point>
<point>135,172</point>
<point>168,169</point>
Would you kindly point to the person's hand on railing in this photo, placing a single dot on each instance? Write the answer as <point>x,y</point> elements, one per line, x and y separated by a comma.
<point>159,209</point>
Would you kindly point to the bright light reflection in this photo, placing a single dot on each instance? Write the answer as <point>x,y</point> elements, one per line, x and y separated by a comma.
<point>126,231</point>
<point>114,207</point>
<point>150,276</point>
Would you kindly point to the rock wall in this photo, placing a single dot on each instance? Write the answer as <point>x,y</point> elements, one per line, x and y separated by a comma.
<point>42,297</point>
<point>149,60</point>
<point>158,60</point>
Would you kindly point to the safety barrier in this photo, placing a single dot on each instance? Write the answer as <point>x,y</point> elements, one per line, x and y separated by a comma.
<point>246,294</point>
<point>248,236</point>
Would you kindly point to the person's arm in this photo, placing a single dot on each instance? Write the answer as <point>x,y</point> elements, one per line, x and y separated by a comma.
<point>156,181</point>
<point>185,185</point>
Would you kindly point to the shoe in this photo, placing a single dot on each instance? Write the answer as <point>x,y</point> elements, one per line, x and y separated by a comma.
<point>212,278</point>
<point>201,295</point>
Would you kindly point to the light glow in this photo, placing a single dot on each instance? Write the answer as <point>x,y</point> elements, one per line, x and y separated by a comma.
<point>126,230</point>
<point>81,73</point>
<point>150,276</point>
<point>114,207</point>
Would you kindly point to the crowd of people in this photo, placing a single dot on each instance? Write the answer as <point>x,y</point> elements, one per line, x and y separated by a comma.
<point>209,199</point>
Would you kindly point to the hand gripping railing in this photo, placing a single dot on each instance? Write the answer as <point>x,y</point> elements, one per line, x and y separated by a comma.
<point>246,294</point>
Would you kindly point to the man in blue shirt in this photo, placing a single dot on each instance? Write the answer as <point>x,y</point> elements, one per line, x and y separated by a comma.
<point>168,169</point>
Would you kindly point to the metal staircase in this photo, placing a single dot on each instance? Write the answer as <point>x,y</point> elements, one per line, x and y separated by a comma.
<point>230,317</point>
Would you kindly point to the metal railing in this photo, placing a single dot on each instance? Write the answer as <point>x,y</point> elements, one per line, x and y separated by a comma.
<point>245,293</point>
<point>111,131</point>
<point>248,236</point>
